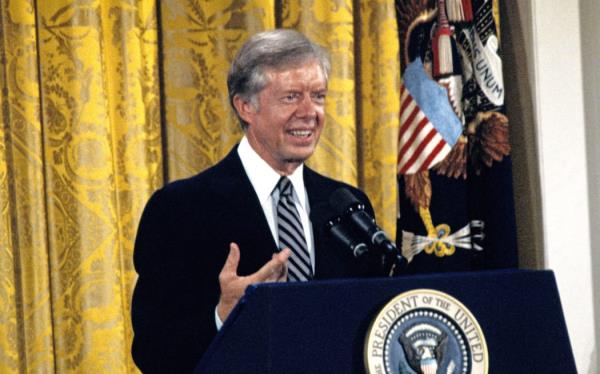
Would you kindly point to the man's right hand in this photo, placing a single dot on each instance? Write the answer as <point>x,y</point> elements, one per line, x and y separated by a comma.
<point>233,286</point>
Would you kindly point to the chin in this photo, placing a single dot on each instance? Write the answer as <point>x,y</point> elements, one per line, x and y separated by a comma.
<point>303,156</point>
<point>300,155</point>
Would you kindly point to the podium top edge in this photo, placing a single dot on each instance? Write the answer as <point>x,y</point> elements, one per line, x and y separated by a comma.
<point>411,277</point>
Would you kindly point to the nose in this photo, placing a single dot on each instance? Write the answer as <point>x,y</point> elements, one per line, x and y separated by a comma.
<point>307,108</point>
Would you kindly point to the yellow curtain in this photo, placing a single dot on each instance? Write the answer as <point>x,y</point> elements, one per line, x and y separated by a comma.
<point>87,120</point>
<point>200,38</point>
<point>81,152</point>
<point>358,144</point>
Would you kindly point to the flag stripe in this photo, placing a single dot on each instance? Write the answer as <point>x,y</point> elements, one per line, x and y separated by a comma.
<point>418,129</point>
<point>421,145</point>
<point>418,124</point>
<point>419,149</point>
<point>408,117</point>
<point>426,158</point>
<point>405,99</point>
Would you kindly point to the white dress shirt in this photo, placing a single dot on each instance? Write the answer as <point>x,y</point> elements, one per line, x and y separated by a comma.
<point>264,181</point>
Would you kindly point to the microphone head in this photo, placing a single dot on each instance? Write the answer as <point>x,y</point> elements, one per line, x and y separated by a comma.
<point>342,199</point>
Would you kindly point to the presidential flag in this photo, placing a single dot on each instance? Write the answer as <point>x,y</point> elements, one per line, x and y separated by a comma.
<point>456,208</point>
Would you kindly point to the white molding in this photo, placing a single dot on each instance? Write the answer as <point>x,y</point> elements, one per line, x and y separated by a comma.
<point>538,117</point>
<point>559,115</point>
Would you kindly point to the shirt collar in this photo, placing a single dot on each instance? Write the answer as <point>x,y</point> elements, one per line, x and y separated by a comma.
<point>264,178</point>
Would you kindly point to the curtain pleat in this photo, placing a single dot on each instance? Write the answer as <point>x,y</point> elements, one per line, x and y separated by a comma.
<point>26,331</point>
<point>379,104</point>
<point>81,154</point>
<point>200,38</point>
<point>95,118</point>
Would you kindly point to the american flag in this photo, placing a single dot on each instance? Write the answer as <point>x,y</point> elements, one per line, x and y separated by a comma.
<point>429,128</point>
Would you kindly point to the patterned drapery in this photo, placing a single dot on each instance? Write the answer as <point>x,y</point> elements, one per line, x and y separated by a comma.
<point>102,101</point>
<point>358,144</point>
<point>81,152</point>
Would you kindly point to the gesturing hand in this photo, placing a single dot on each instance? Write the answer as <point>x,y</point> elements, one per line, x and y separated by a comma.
<point>233,286</point>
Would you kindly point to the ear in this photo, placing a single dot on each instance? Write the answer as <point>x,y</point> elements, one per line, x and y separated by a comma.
<point>245,109</point>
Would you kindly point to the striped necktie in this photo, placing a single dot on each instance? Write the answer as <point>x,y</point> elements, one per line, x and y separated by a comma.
<point>291,234</point>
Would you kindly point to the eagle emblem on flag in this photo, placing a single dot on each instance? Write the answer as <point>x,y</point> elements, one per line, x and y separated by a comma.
<point>452,132</point>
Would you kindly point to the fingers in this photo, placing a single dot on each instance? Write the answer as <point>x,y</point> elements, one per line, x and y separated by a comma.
<point>229,282</point>
<point>274,270</point>
<point>279,274</point>
<point>232,261</point>
<point>282,276</point>
<point>233,286</point>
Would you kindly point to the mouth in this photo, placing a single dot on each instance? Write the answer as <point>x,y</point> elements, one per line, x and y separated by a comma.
<point>300,133</point>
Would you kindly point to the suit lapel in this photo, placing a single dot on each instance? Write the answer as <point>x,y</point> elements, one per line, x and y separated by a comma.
<point>243,214</point>
<point>247,225</point>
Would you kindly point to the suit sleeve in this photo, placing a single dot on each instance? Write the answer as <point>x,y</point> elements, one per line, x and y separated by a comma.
<point>172,318</point>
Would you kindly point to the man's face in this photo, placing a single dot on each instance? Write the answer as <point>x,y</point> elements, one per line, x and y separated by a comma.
<point>285,128</point>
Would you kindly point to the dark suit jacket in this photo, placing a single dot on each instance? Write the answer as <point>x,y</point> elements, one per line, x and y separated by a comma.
<point>181,246</point>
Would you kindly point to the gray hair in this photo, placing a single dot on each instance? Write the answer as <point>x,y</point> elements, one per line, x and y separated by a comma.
<point>275,49</point>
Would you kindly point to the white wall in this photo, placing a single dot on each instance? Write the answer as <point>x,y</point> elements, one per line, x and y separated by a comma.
<point>559,113</point>
<point>590,44</point>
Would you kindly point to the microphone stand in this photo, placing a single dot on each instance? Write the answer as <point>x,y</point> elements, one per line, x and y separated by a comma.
<point>392,261</point>
<point>353,219</point>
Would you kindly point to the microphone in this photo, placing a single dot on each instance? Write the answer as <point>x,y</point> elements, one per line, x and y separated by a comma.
<point>349,208</point>
<point>322,219</point>
<point>342,234</point>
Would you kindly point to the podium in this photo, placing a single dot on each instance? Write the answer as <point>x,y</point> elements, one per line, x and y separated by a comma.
<point>322,326</point>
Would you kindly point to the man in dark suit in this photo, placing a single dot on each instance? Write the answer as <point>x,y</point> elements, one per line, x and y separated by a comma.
<point>203,240</point>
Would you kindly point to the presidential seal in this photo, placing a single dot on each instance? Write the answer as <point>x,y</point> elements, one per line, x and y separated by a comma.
<point>425,332</point>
